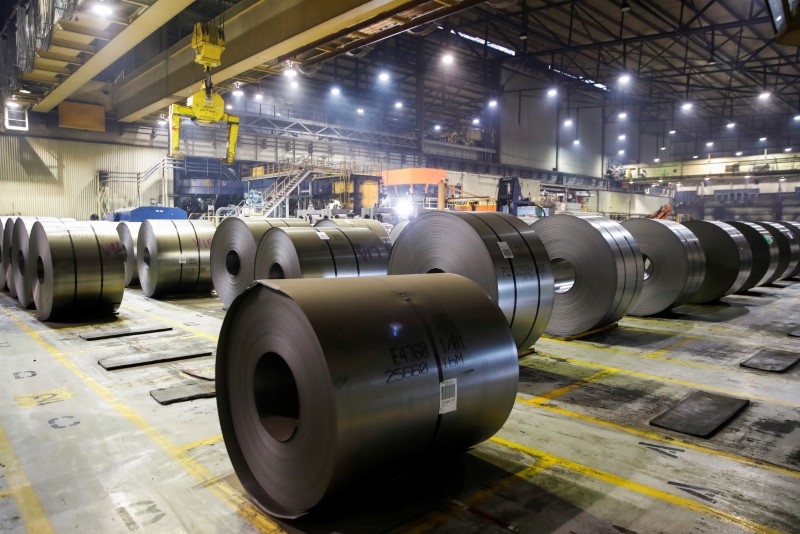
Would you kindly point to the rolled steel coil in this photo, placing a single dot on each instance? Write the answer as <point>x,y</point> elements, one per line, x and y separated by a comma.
<point>598,270</point>
<point>128,236</point>
<point>321,253</point>
<point>674,264</point>
<point>174,256</point>
<point>372,224</point>
<point>8,233</point>
<point>3,253</point>
<point>20,241</point>
<point>794,227</point>
<point>764,249</point>
<point>728,260</point>
<point>233,252</point>
<point>308,403</point>
<point>397,229</point>
<point>788,248</point>
<point>498,251</point>
<point>75,269</point>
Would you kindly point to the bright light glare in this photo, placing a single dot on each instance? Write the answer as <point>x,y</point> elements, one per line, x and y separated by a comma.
<point>672,132</point>
<point>797,117</point>
<point>102,10</point>
<point>694,157</point>
<point>436,128</point>
<point>731,125</point>
<point>739,153</point>
<point>781,179</point>
<point>621,137</point>
<point>259,96</point>
<point>476,121</point>
<point>383,76</point>
<point>27,92</point>
<point>360,111</point>
<point>492,103</point>
<point>624,78</point>
<point>238,92</point>
<point>294,85</point>
<point>229,106</point>
<point>12,105</point>
<point>621,152</point>
<point>290,72</point>
<point>162,122</point>
<point>576,142</point>
<point>663,148</point>
<point>787,149</point>
<point>568,122</point>
<point>335,91</point>
<point>656,160</point>
<point>552,92</point>
<point>686,106</point>
<point>710,143</point>
<point>404,208</point>
<point>764,95</point>
<point>398,105</point>
<point>623,115</point>
<point>762,139</point>
<point>447,59</point>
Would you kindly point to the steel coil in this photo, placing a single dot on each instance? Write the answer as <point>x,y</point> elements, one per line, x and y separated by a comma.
<point>674,264</point>
<point>728,260</point>
<point>788,248</point>
<point>3,253</point>
<point>8,233</point>
<point>794,227</point>
<point>75,269</point>
<point>764,249</point>
<point>397,229</point>
<point>233,252</point>
<point>498,251</point>
<point>174,256</point>
<point>321,253</point>
<point>372,224</point>
<point>308,403</point>
<point>128,236</point>
<point>598,271</point>
<point>20,241</point>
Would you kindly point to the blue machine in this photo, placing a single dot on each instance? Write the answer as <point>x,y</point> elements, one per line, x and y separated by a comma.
<point>142,213</point>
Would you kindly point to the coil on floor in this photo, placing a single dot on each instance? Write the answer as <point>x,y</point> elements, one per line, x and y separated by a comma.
<point>764,249</point>
<point>75,268</point>
<point>372,224</point>
<point>498,251</point>
<point>794,227</point>
<point>174,256</point>
<point>674,264</point>
<point>326,252</point>
<point>728,260</point>
<point>308,403</point>
<point>598,271</point>
<point>128,236</point>
<point>20,243</point>
<point>788,248</point>
<point>233,252</point>
<point>397,229</point>
<point>4,248</point>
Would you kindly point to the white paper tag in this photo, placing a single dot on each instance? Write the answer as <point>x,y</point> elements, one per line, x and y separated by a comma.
<point>323,235</point>
<point>505,249</point>
<point>448,395</point>
<point>182,259</point>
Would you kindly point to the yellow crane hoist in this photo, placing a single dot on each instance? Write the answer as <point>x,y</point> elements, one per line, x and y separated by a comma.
<point>205,106</point>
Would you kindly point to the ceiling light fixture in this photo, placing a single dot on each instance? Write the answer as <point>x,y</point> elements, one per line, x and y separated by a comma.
<point>625,7</point>
<point>383,76</point>
<point>25,91</point>
<point>294,84</point>
<point>238,90</point>
<point>436,128</point>
<point>476,121</point>
<point>738,152</point>
<point>260,96</point>
<point>568,122</point>
<point>492,103</point>
<point>762,139</point>
<point>686,106</point>
<point>360,111</point>
<point>787,149</point>
<point>447,59</point>
<point>552,92</point>
<point>621,137</point>
<point>335,91</point>
<point>663,148</point>
<point>656,160</point>
<point>576,142</point>
<point>710,143</point>
<point>624,78</point>
<point>764,95</point>
<point>290,71</point>
<point>731,125</point>
<point>694,157</point>
<point>797,117</point>
<point>621,152</point>
<point>102,9</point>
<point>672,132</point>
<point>398,105</point>
<point>623,115</point>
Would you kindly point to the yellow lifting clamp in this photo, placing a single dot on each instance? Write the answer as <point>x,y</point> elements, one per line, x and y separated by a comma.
<point>204,106</point>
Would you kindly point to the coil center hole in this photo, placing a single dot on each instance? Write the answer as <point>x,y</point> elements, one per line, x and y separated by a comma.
<point>276,397</point>
<point>648,267</point>
<point>146,258</point>
<point>21,263</point>
<point>563,275</point>
<point>40,269</point>
<point>124,254</point>
<point>276,271</point>
<point>435,271</point>
<point>232,263</point>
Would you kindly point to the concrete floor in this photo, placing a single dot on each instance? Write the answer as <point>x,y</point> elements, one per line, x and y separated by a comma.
<point>85,449</point>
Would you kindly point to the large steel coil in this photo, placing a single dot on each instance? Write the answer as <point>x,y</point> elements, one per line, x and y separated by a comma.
<point>788,248</point>
<point>397,229</point>
<point>128,236</point>
<point>321,253</point>
<point>75,269</point>
<point>674,264</point>
<point>764,249</point>
<point>728,260</point>
<point>233,252</point>
<point>174,256</point>
<point>8,233</point>
<point>498,251</point>
<point>794,227</point>
<point>20,241</point>
<point>598,271</point>
<point>308,403</point>
<point>374,225</point>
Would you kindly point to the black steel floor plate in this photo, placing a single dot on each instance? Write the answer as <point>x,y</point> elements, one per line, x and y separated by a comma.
<point>124,361</point>
<point>185,392</point>
<point>122,332</point>
<point>700,414</point>
<point>775,360</point>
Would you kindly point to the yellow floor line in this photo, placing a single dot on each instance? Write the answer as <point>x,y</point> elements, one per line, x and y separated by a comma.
<point>199,443</point>
<point>657,378</point>
<point>663,439</point>
<point>635,486</point>
<point>30,509</point>
<point>239,503</point>
<point>573,386</point>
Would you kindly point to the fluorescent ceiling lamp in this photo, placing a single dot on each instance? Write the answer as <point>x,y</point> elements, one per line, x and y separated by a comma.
<point>739,153</point>
<point>731,125</point>
<point>101,9</point>
<point>672,132</point>
<point>484,42</point>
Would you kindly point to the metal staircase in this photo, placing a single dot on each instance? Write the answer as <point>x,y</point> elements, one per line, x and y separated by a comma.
<point>281,190</point>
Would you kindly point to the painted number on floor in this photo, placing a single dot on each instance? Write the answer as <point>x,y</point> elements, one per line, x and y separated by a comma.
<point>45,397</point>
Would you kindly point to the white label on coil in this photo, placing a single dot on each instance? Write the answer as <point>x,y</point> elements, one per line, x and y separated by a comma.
<point>448,395</point>
<point>506,250</point>
<point>182,258</point>
<point>323,235</point>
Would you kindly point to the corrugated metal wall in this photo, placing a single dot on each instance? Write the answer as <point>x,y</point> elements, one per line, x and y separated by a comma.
<point>59,178</point>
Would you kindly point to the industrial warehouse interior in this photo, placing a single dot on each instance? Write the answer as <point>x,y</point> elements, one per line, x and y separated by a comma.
<point>461,266</point>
